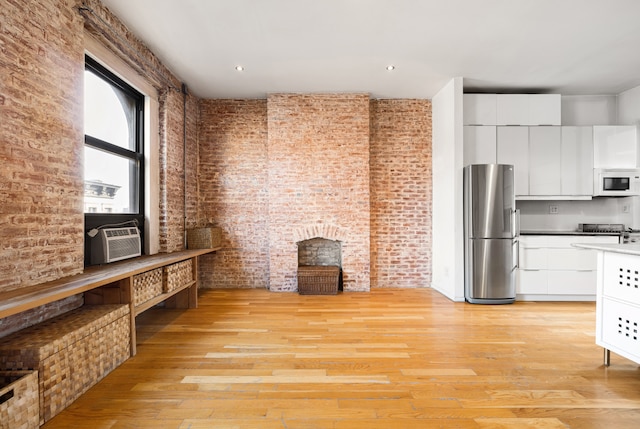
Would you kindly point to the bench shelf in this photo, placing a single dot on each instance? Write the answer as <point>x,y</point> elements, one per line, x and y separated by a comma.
<point>113,284</point>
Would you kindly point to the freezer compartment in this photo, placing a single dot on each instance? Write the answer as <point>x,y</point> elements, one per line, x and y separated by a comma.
<point>490,271</point>
<point>489,202</point>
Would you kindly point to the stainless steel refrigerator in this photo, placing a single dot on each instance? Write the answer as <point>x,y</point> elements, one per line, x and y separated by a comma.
<point>490,233</point>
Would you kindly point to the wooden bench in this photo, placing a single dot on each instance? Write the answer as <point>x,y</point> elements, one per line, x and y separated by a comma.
<point>73,351</point>
<point>114,284</point>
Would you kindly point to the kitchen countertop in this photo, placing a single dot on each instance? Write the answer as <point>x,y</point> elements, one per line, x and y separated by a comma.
<point>627,249</point>
<point>549,232</point>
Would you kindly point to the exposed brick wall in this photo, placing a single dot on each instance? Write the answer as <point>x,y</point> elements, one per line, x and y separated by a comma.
<point>400,193</point>
<point>172,202</point>
<point>304,178</point>
<point>192,166</point>
<point>41,142</point>
<point>111,32</point>
<point>233,191</point>
<point>318,166</point>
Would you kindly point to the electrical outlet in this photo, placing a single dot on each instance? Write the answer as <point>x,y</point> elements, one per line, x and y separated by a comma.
<point>553,209</point>
<point>625,208</point>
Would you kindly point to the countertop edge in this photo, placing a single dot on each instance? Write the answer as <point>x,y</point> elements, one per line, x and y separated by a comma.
<point>578,233</point>
<point>627,249</point>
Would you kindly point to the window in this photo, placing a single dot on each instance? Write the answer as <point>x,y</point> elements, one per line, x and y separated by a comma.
<point>113,150</point>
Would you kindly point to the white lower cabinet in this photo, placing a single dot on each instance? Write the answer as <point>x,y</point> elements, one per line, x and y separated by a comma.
<point>550,268</point>
<point>618,305</point>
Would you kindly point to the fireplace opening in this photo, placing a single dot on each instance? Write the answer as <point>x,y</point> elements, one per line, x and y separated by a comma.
<point>320,251</point>
<point>319,266</point>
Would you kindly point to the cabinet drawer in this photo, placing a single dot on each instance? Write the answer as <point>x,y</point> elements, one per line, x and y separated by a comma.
<point>533,259</point>
<point>532,282</point>
<point>564,282</point>
<point>620,326</point>
<point>571,259</point>
<point>528,241</point>
<point>564,241</point>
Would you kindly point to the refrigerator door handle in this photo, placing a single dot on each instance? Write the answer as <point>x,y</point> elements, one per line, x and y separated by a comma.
<point>516,223</point>
<point>517,244</point>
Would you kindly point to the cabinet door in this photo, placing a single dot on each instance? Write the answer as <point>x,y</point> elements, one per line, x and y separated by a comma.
<point>577,161</point>
<point>479,145</point>
<point>479,109</point>
<point>615,146</point>
<point>619,328</point>
<point>513,148</point>
<point>512,109</point>
<point>544,109</point>
<point>532,282</point>
<point>544,161</point>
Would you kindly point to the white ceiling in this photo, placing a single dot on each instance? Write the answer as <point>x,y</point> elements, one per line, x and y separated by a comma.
<point>303,46</point>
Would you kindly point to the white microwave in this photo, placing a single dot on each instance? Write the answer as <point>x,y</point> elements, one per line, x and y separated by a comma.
<point>614,182</point>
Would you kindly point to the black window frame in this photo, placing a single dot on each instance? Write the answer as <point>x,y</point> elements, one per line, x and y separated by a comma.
<point>97,220</point>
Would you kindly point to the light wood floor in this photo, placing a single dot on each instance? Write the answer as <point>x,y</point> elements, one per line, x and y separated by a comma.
<point>387,359</point>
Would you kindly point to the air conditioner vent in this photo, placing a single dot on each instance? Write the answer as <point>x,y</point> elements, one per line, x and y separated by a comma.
<point>115,244</point>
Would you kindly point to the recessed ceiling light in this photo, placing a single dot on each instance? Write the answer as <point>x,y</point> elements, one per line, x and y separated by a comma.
<point>239,68</point>
<point>391,67</point>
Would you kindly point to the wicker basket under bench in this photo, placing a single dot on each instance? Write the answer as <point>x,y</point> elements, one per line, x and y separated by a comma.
<point>71,352</point>
<point>19,407</point>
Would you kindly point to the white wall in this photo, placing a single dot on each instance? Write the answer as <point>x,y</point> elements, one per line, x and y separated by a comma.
<point>534,215</point>
<point>447,234</point>
<point>629,114</point>
<point>629,107</point>
<point>579,110</point>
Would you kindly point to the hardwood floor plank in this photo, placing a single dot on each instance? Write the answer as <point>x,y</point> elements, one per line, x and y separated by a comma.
<point>385,359</point>
<point>521,423</point>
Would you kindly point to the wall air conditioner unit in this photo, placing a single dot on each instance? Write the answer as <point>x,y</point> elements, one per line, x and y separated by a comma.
<point>115,244</point>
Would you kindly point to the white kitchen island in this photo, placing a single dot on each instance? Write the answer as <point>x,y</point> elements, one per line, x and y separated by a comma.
<point>618,299</point>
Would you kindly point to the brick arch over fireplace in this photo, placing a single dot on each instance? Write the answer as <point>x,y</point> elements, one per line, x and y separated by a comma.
<point>321,230</point>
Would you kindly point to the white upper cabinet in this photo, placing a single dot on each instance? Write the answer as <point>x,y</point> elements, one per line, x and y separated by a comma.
<point>479,109</point>
<point>545,109</point>
<point>528,109</point>
<point>479,145</point>
<point>577,161</point>
<point>615,146</point>
<point>561,162</point>
<point>513,148</point>
<point>545,169</point>
<point>512,109</point>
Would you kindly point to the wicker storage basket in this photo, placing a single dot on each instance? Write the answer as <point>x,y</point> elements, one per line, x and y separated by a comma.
<point>71,352</point>
<point>178,275</point>
<point>204,238</point>
<point>318,280</point>
<point>19,400</point>
<point>147,285</point>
